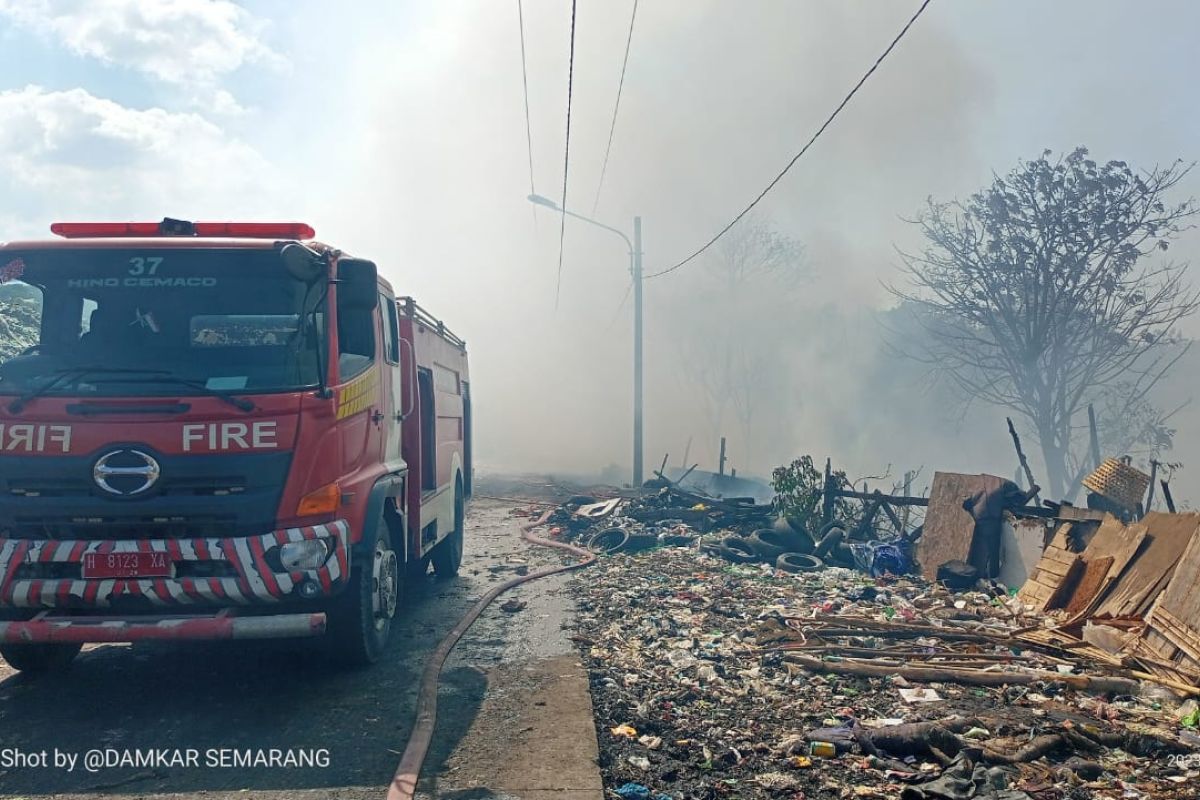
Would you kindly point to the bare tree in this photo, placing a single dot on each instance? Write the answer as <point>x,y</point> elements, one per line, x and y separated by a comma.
<point>752,251</point>
<point>731,357</point>
<point>1037,293</point>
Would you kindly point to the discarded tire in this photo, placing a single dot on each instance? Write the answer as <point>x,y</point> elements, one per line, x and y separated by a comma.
<point>678,540</point>
<point>737,550</point>
<point>793,533</point>
<point>617,540</point>
<point>640,541</point>
<point>798,562</point>
<point>829,542</point>
<point>769,545</point>
<point>957,575</point>
<point>609,540</point>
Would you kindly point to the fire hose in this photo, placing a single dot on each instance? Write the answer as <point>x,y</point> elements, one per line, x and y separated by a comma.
<point>404,782</point>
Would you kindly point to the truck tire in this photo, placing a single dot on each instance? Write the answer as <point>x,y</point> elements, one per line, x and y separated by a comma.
<point>360,619</point>
<point>39,658</point>
<point>447,556</point>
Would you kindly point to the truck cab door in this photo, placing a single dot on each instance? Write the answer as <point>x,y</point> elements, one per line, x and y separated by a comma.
<point>360,367</point>
<point>392,388</point>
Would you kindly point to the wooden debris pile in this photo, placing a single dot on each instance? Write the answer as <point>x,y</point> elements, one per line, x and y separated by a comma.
<point>1127,591</point>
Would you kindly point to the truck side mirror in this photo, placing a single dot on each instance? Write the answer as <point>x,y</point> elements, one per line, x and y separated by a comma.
<point>358,283</point>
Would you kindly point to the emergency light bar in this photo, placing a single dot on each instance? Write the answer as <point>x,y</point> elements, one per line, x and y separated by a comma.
<point>177,227</point>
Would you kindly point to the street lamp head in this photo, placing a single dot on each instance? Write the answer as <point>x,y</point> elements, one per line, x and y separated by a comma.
<point>543,201</point>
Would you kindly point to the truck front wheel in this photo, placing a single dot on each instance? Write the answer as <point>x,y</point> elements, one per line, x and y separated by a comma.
<point>37,658</point>
<point>361,618</point>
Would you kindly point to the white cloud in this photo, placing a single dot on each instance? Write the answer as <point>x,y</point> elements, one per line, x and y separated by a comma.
<point>71,153</point>
<point>188,43</point>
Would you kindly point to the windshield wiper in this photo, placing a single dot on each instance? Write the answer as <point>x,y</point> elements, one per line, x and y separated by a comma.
<point>58,376</point>
<point>156,376</point>
<point>166,376</point>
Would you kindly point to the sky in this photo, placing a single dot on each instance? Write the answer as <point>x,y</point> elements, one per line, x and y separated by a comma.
<point>398,132</point>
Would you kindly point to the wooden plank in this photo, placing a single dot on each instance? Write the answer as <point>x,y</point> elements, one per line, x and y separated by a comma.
<point>1157,649</point>
<point>1112,540</point>
<point>1067,584</point>
<point>948,528</point>
<point>1176,614</point>
<point>1077,514</point>
<point>1118,541</point>
<point>1177,631</point>
<point>1094,574</point>
<point>1046,579</point>
<point>1062,537</point>
<point>1036,594</point>
<point>1036,597</point>
<point>1052,566</point>
<point>1041,587</point>
<point>1168,536</point>
<point>1059,556</point>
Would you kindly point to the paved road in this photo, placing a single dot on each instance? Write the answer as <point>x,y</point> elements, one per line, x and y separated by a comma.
<point>517,669</point>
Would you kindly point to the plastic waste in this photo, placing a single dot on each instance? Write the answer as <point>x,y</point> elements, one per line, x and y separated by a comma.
<point>822,749</point>
<point>682,659</point>
<point>1188,714</point>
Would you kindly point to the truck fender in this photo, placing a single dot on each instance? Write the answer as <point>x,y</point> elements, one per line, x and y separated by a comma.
<point>388,486</point>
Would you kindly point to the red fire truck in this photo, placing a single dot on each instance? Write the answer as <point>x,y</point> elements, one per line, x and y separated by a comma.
<point>220,431</point>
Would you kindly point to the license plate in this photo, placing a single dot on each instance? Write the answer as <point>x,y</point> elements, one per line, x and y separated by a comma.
<point>126,565</point>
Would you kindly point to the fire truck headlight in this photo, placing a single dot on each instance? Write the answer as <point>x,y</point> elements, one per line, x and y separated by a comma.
<point>305,555</point>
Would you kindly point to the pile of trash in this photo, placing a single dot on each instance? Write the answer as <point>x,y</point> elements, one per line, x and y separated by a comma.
<point>737,530</point>
<point>717,677</point>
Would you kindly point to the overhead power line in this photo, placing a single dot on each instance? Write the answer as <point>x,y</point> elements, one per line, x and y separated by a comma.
<point>804,149</point>
<point>525,84</point>
<point>562,226</point>
<point>616,107</point>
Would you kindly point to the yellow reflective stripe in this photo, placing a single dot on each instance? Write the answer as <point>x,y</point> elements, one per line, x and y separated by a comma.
<point>358,395</point>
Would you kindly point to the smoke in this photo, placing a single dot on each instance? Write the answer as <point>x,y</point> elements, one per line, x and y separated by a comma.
<point>399,132</point>
<point>717,98</point>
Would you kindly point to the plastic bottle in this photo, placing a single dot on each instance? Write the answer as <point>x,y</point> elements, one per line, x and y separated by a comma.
<point>822,750</point>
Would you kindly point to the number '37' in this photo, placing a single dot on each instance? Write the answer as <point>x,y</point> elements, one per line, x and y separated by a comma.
<point>144,266</point>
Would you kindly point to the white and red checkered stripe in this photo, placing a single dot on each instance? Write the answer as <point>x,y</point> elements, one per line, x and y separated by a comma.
<point>255,582</point>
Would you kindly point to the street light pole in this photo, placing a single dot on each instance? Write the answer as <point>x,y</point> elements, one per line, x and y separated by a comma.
<point>635,268</point>
<point>637,352</point>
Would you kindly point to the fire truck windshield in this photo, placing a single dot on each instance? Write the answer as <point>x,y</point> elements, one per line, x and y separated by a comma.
<point>230,321</point>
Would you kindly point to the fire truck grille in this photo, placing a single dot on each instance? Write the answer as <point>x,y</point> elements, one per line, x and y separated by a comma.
<point>194,497</point>
<point>131,528</point>
<point>204,487</point>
